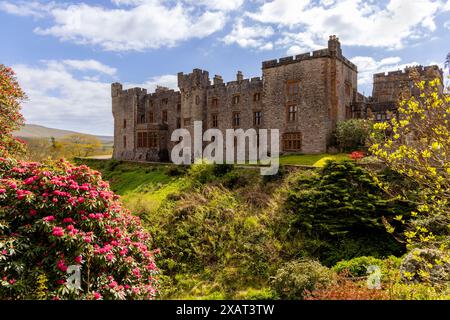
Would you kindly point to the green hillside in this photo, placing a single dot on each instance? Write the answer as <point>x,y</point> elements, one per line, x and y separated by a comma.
<point>37,131</point>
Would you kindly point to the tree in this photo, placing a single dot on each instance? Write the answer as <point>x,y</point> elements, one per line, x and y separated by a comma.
<point>352,134</point>
<point>417,145</point>
<point>11,96</point>
<point>81,145</point>
<point>339,213</point>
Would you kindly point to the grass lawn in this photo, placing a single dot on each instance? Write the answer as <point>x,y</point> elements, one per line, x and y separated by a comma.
<point>316,160</point>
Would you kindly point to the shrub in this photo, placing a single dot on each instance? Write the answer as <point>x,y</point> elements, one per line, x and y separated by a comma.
<point>429,265</point>
<point>56,215</point>
<point>357,267</point>
<point>352,134</point>
<point>176,171</point>
<point>209,229</point>
<point>295,278</point>
<point>345,289</point>
<point>340,214</point>
<point>257,294</point>
<point>419,291</point>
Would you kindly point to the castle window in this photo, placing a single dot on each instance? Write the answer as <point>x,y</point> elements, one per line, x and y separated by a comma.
<point>236,119</point>
<point>147,140</point>
<point>215,102</point>
<point>215,120</point>
<point>348,112</point>
<point>150,117</point>
<point>347,89</point>
<point>292,141</point>
<point>236,99</point>
<point>140,142</point>
<point>257,116</point>
<point>187,122</point>
<point>165,101</point>
<point>164,116</point>
<point>292,89</point>
<point>257,97</point>
<point>152,140</point>
<point>124,142</point>
<point>292,113</point>
<point>124,123</point>
<point>197,100</point>
<point>179,107</point>
<point>142,118</point>
<point>178,123</point>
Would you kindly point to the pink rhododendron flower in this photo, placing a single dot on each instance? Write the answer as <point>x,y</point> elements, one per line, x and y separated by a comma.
<point>58,231</point>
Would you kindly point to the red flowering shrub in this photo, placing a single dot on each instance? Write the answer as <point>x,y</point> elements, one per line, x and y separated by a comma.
<point>346,289</point>
<point>356,155</point>
<point>56,215</point>
<point>11,95</point>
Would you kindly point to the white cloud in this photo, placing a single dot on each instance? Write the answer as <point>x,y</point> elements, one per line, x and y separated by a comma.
<point>168,80</point>
<point>131,25</point>
<point>250,36</point>
<point>368,66</point>
<point>297,43</point>
<point>92,65</point>
<point>357,23</point>
<point>447,25</point>
<point>58,98</point>
<point>27,8</point>
<point>221,5</point>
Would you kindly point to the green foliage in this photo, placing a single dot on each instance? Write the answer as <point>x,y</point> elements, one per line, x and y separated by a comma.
<point>357,267</point>
<point>210,228</point>
<point>56,215</point>
<point>339,214</point>
<point>293,279</point>
<point>352,134</point>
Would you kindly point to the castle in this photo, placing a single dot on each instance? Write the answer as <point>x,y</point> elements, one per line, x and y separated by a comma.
<point>302,96</point>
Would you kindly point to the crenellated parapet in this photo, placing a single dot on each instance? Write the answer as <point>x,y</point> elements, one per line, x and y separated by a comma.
<point>197,79</point>
<point>333,51</point>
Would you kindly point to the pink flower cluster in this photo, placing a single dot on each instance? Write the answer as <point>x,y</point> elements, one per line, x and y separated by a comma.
<point>72,217</point>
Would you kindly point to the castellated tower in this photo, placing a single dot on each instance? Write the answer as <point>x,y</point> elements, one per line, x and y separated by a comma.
<point>303,96</point>
<point>125,104</point>
<point>306,95</point>
<point>193,89</point>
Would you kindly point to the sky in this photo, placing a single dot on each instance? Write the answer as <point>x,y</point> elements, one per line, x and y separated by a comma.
<point>67,53</point>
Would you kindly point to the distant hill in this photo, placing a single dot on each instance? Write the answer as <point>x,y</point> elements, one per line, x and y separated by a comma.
<point>36,131</point>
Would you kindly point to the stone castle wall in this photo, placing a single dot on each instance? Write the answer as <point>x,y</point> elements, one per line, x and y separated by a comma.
<point>327,93</point>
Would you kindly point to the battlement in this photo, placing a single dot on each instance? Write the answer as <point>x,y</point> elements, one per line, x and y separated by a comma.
<point>117,90</point>
<point>422,70</point>
<point>322,53</point>
<point>198,78</point>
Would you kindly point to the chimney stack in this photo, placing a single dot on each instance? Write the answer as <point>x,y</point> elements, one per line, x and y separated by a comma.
<point>239,76</point>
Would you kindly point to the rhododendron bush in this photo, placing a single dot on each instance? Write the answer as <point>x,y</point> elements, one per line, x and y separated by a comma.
<point>53,216</point>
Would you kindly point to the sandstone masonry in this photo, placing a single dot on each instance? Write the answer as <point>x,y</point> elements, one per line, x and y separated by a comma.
<point>302,96</point>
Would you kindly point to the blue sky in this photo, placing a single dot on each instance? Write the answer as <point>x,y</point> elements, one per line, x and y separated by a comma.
<point>66,53</point>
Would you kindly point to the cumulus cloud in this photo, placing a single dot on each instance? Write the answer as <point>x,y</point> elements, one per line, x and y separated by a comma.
<point>59,97</point>
<point>368,66</point>
<point>358,23</point>
<point>129,25</point>
<point>92,65</point>
<point>250,36</point>
<point>167,80</point>
<point>222,5</point>
<point>27,8</point>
